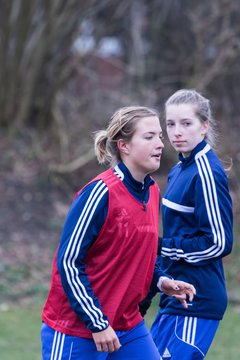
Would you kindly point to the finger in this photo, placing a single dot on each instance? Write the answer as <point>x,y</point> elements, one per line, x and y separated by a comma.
<point>116,344</point>
<point>98,346</point>
<point>184,304</point>
<point>187,288</point>
<point>180,296</point>
<point>104,346</point>
<point>191,296</point>
<point>182,299</point>
<point>191,293</point>
<point>175,286</point>
<point>111,347</point>
<point>170,287</point>
<point>193,290</point>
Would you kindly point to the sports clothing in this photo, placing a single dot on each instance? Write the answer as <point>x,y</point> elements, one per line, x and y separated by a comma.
<point>137,344</point>
<point>197,232</point>
<point>90,285</point>
<point>183,337</point>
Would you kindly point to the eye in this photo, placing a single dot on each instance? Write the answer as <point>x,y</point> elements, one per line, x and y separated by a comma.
<point>186,123</point>
<point>170,124</point>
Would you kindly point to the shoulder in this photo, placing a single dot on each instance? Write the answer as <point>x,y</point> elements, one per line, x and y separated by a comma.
<point>95,191</point>
<point>211,170</point>
<point>212,163</point>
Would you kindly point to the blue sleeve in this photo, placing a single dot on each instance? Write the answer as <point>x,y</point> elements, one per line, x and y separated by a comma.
<point>83,224</point>
<point>158,272</point>
<point>213,236</point>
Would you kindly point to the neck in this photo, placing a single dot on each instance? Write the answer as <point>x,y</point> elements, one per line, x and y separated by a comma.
<point>137,175</point>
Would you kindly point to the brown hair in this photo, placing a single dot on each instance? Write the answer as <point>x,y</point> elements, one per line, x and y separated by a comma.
<point>122,125</point>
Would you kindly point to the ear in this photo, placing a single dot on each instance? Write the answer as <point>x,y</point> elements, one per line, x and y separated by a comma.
<point>205,127</point>
<point>122,146</point>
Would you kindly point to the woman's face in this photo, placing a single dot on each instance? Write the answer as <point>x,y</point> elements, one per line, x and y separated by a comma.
<point>142,154</point>
<point>184,128</point>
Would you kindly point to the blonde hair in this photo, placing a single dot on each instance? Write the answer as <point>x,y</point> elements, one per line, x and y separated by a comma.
<point>202,109</point>
<point>122,125</point>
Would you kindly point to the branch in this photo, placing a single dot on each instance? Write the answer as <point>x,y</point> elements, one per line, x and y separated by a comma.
<point>73,165</point>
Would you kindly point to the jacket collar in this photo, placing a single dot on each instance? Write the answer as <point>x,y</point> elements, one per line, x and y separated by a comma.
<point>200,149</point>
<point>124,174</point>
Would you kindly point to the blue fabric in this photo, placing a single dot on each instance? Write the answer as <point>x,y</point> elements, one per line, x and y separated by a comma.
<point>197,232</point>
<point>182,337</point>
<point>137,344</point>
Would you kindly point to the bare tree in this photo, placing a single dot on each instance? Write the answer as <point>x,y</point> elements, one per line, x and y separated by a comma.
<point>36,39</point>
<point>217,45</point>
<point>165,45</point>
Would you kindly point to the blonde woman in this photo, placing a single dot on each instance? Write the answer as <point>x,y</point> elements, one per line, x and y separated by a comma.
<point>105,260</point>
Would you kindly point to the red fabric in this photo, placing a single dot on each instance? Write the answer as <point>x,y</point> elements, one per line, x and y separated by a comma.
<point>120,263</point>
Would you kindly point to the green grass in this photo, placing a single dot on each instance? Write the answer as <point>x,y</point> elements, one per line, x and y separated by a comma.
<point>226,343</point>
<point>20,334</point>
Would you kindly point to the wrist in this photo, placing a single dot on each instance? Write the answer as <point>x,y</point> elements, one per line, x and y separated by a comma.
<point>160,281</point>
<point>97,330</point>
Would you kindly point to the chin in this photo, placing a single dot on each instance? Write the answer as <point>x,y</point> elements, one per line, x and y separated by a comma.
<point>177,148</point>
<point>155,169</point>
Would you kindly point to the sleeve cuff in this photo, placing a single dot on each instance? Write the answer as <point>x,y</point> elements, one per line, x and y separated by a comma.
<point>160,281</point>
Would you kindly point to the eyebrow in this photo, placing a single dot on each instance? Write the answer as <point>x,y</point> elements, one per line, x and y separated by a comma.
<point>152,132</point>
<point>183,119</point>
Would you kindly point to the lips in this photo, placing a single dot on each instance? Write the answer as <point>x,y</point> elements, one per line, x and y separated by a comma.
<point>158,156</point>
<point>178,142</point>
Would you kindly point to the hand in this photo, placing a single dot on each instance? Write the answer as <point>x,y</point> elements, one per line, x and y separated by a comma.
<point>106,340</point>
<point>179,289</point>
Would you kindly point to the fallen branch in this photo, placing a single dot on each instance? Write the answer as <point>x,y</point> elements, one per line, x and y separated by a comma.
<point>73,165</point>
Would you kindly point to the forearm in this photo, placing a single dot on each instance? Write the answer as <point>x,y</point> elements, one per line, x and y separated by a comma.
<point>79,234</point>
<point>197,250</point>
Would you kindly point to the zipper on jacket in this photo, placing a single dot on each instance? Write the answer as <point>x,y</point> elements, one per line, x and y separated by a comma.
<point>144,206</point>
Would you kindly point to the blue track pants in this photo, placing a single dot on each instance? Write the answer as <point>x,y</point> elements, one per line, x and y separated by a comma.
<point>137,344</point>
<point>183,337</point>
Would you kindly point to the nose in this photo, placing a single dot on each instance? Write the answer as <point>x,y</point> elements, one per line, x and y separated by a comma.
<point>177,130</point>
<point>160,143</point>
